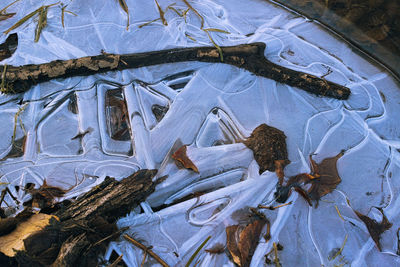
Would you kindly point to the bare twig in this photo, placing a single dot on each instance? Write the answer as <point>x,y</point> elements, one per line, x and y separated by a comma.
<point>274,208</point>
<point>276,259</point>
<point>248,56</point>
<point>144,259</point>
<point>146,250</point>
<point>115,263</point>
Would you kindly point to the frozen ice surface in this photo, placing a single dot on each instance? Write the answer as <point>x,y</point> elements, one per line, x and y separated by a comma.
<point>80,130</point>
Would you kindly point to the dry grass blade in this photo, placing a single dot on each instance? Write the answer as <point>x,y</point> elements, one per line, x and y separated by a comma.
<point>20,110</point>
<point>216,46</point>
<point>145,249</point>
<point>62,15</point>
<point>23,20</point>
<point>190,37</point>
<point>124,7</point>
<point>197,251</point>
<point>216,30</point>
<point>30,15</point>
<point>338,212</point>
<point>341,248</point>
<point>5,8</point>
<point>162,17</point>
<point>41,23</point>
<point>147,23</point>
<point>175,10</point>
<point>196,12</point>
<point>63,11</point>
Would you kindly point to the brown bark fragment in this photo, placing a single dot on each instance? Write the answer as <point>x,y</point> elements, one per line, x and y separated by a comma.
<point>85,226</point>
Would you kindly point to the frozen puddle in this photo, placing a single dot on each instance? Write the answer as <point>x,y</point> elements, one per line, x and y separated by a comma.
<point>75,132</point>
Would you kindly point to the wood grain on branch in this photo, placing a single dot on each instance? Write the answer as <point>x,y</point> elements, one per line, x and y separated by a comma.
<point>248,56</point>
<point>83,228</point>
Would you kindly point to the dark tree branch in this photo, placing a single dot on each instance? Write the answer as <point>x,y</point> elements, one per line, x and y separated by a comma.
<point>249,57</point>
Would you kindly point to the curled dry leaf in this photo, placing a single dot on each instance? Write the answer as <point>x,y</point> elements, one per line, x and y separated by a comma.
<point>375,229</point>
<point>269,149</point>
<point>181,158</point>
<point>242,240</point>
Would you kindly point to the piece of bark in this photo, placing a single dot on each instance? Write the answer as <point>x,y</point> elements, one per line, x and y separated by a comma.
<point>70,250</point>
<point>81,232</point>
<point>248,56</point>
<point>111,199</point>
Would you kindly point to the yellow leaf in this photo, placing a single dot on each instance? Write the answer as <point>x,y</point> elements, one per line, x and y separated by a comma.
<point>14,241</point>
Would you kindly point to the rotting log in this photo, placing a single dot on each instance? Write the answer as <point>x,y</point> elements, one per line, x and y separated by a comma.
<point>85,227</point>
<point>247,56</point>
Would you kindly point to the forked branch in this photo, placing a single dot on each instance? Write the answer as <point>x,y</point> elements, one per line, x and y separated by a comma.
<point>248,56</point>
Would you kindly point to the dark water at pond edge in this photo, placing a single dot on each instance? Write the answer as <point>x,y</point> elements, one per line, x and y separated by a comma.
<point>371,25</point>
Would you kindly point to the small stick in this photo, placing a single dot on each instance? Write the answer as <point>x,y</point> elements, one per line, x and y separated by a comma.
<point>267,236</point>
<point>108,237</point>
<point>276,207</point>
<point>114,264</point>
<point>145,249</point>
<point>3,194</point>
<point>247,56</point>
<point>144,259</point>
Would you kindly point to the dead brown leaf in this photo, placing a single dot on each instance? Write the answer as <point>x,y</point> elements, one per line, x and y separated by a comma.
<point>325,177</point>
<point>242,240</point>
<point>375,229</point>
<point>181,157</point>
<point>44,196</point>
<point>269,149</point>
